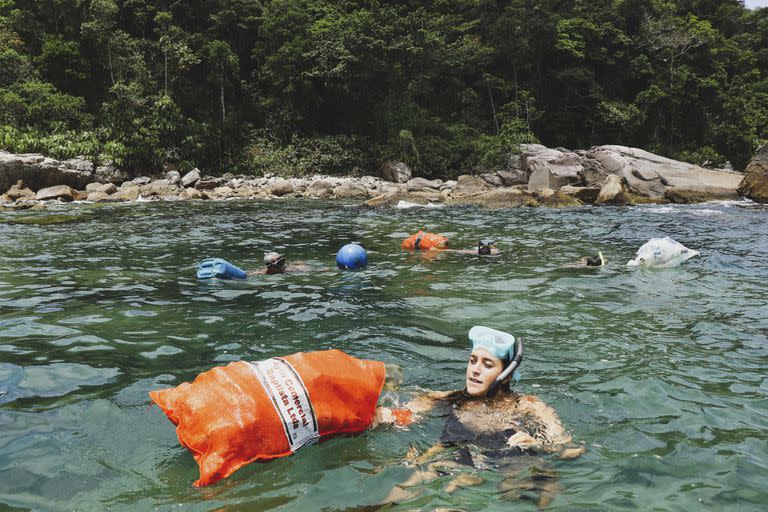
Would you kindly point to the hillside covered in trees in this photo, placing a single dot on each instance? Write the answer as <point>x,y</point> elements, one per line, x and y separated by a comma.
<point>335,86</point>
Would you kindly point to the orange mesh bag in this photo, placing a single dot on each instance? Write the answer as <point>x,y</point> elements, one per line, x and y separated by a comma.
<point>423,241</point>
<point>243,412</point>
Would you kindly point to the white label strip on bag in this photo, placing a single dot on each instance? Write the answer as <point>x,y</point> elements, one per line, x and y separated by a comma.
<point>291,400</point>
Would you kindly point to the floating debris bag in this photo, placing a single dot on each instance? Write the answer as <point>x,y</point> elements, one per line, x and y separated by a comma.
<point>660,253</point>
<point>423,241</point>
<point>233,415</point>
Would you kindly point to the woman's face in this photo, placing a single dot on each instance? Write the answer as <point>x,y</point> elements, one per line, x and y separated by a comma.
<point>482,370</point>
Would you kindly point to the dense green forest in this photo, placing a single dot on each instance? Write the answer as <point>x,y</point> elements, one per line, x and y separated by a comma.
<point>339,86</point>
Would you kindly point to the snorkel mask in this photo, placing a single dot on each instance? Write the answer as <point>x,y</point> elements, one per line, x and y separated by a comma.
<point>501,345</point>
<point>275,262</point>
<point>484,248</point>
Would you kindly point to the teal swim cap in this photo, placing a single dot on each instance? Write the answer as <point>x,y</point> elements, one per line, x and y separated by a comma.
<point>498,343</point>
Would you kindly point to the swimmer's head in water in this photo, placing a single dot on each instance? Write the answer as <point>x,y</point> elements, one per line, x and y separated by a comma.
<point>484,248</point>
<point>492,353</point>
<point>596,260</point>
<point>275,262</point>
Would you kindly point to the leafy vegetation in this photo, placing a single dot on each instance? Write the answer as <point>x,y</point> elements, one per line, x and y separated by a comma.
<point>451,86</point>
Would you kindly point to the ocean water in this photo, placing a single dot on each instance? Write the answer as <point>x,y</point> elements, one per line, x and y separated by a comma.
<point>661,374</point>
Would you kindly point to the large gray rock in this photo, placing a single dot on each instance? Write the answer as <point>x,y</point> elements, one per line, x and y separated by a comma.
<point>564,165</point>
<point>351,189</point>
<point>208,183</point>
<point>320,188</point>
<point>128,193</point>
<point>467,185</point>
<point>159,188</point>
<point>100,197</point>
<point>512,177</point>
<point>107,188</point>
<point>142,180</point>
<point>651,175</point>
<point>173,177</point>
<point>190,178</point>
<point>398,172</point>
<point>612,192</point>
<point>39,172</point>
<point>755,183</point>
<point>281,187</point>
<point>63,192</point>
<point>541,177</point>
<point>422,185</point>
<point>492,179</point>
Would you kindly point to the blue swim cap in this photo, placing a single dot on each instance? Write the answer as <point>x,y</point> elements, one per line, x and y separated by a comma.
<point>498,343</point>
<point>351,257</point>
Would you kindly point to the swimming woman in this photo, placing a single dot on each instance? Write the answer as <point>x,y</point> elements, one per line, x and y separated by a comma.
<point>488,422</point>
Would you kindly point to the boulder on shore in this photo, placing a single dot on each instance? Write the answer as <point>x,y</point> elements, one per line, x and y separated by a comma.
<point>38,171</point>
<point>351,189</point>
<point>63,192</point>
<point>467,185</point>
<point>281,187</point>
<point>190,178</point>
<point>754,186</point>
<point>650,175</point>
<point>19,191</point>
<point>612,192</point>
<point>563,165</point>
<point>398,172</point>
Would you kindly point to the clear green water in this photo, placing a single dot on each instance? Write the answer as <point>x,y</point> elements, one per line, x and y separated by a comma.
<point>661,374</point>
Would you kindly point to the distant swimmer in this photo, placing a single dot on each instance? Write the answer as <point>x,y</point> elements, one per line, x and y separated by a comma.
<point>484,248</point>
<point>598,260</point>
<point>424,242</point>
<point>275,263</point>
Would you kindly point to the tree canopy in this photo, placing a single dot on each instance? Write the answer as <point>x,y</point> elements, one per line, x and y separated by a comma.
<point>449,86</point>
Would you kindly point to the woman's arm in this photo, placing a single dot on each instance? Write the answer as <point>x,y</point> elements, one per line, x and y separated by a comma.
<point>409,412</point>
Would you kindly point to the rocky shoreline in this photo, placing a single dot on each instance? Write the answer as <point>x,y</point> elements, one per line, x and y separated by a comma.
<point>538,176</point>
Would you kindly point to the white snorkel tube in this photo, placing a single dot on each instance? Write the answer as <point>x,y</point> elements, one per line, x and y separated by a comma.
<point>510,369</point>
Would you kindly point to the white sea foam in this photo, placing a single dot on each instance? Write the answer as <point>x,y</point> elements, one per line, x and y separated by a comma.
<point>405,204</point>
